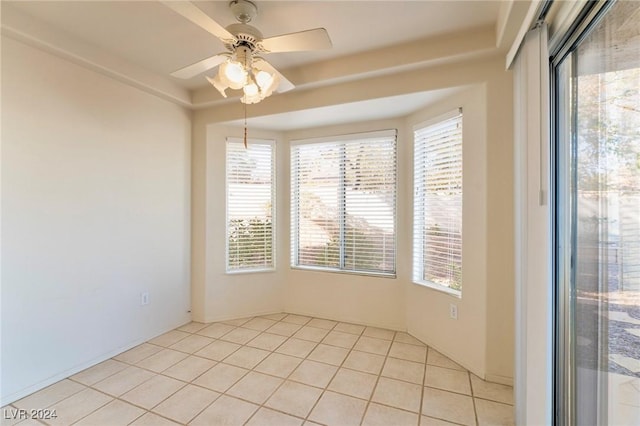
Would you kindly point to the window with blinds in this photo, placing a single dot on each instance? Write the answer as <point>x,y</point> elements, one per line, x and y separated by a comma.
<point>250,205</point>
<point>343,203</point>
<point>437,233</point>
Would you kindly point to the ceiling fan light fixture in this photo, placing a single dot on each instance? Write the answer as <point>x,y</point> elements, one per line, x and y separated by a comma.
<point>251,89</point>
<point>263,78</point>
<point>243,42</point>
<point>251,99</point>
<point>252,94</point>
<point>233,74</point>
<point>269,84</point>
<point>255,82</point>
<point>218,84</point>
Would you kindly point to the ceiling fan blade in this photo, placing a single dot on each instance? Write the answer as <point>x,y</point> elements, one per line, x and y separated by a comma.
<point>200,66</point>
<point>201,19</point>
<point>285,85</point>
<point>315,39</point>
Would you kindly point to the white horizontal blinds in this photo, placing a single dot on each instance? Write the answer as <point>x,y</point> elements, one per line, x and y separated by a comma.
<point>369,205</point>
<point>438,203</point>
<point>250,201</point>
<point>316,210</point>
<point>343,198</point>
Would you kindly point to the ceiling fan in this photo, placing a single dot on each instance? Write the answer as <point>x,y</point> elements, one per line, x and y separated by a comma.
<point>242,66</point>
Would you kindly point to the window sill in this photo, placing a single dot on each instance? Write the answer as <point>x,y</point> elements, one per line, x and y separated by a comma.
<point>342,271</point>
<point>439,287</point>
<point>249,271</point>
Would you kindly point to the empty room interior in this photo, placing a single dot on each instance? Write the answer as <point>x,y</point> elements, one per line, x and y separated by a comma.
<point>320,212</point>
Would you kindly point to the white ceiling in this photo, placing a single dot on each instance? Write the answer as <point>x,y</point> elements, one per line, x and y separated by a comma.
<point>153,37</point>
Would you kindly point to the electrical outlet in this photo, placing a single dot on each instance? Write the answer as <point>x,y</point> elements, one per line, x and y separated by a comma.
<point>144,298</point>
<point>453,311</point>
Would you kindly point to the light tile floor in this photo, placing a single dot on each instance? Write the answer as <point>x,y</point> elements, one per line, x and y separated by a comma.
<point>278,369</point>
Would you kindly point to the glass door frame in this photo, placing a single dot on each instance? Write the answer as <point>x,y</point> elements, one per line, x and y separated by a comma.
<point>563,179</point>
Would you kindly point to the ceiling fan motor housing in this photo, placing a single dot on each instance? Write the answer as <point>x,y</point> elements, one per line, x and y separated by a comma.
<point>243,55</point>
<point>246,35</point>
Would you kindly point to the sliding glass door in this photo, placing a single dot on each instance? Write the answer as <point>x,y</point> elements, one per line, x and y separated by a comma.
<point>597,133</point>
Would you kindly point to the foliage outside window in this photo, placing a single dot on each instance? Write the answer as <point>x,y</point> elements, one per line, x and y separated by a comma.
<point>343,203</point>
<point>437,232</point>
<point>250,199</point>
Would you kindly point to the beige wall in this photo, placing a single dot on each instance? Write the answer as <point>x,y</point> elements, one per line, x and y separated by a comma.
<point>371,300</point>
<point>500,229</point>
<point>95,211</point>
<point>427,308</point>
<point>482,338</point>
<point>490,276</point>
<point>218,295</point>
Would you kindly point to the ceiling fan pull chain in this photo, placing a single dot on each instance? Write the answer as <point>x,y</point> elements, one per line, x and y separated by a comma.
<point>245,125</point>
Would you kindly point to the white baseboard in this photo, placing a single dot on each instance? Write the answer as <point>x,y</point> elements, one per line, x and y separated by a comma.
<point>8,399</point>
<point>241,315</point>
<point>351,320</point>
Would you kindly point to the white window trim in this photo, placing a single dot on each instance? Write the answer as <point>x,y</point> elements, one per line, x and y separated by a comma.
<point>344,271</point>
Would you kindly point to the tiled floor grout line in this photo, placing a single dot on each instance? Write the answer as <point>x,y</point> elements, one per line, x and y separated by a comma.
<point>119,397</point>
<point>334,374</point>
<point>500,402</point>
<point>306,418</point>
<point>271,352</point>
<point>113,397</point>
<point>450,391</point>
<point>204,372</point>
<point>373,390</point>
<point>242,377</point>
<point>149,410</point>
<point>425,385</point>
<point>233,396</point>
<point>199,412</point>
<point>288,377</point>
<point>473,399</point>
<point>98,408</point>
<point>274,351</point>
<point>194,353</point>
<point>284,380</point>
<point>302,322</point>
<point>64,399</point>
<point>424,379</point>
<point>240,398</point>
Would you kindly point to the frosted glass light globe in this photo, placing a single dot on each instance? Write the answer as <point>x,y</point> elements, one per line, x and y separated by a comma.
<point>234,74</point>
<point>264,79</point>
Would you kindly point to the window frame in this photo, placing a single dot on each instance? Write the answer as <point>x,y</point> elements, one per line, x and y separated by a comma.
<point>272,143</point>
<point>418,241</point>
<point>295,220</point>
